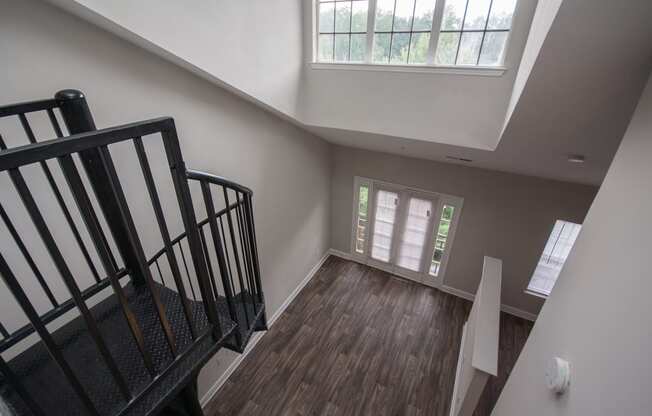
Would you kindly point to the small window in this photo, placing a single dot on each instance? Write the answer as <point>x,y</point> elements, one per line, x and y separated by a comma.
<point>554,256</point>
<point>414,32</point>
<point>441,237</point>
<point>362,219</point>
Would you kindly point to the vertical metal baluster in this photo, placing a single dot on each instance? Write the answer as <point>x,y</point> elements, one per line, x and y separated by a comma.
<point>4,332</point>
<point>250,252</point>
<point>254,247</point>
<point>132,237</point>
<point>202,235</point>
<point>226,252</point>
<point>13,285</point>
<point>66,275</point>
<point>91,213</point>
<point>78,118</point>
<point>160,274</point>
<point>229,221</point>
<point>60,201</point>
<point>185,265</point>
<point>180,180</point>
<point>108,262</point>
<point>20,389</point>
<point>245,227</point>
<point>165,234</point>
<point>245,250</point>
<point>27,256</point>
<point>243,259</point>
<point>210,211</point>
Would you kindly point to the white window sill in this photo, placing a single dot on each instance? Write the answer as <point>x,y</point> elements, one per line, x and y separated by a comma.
<point>492,71</point>
<point>537,294</point>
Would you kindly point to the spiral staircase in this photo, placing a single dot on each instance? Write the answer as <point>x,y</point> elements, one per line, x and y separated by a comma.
<point>133,341</point>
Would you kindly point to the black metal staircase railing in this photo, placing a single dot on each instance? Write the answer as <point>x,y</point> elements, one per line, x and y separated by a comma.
<point>137,344</point>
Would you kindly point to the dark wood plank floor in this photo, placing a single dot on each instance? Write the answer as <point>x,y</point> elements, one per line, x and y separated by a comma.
<point>358,341</point>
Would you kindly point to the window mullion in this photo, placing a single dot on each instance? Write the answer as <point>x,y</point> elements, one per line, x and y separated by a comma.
<point>371,22</point>
<point>414,9</point>
<point>391,37</point>
<point>315,32</point>
<point>351,27</point>
<point>484,32</point>
<point>437,18</point>
<point>459,43</point>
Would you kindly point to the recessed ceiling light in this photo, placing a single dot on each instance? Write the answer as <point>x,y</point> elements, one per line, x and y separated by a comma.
<point>576,158</point>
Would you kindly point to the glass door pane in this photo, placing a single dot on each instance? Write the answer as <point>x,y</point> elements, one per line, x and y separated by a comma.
<point>413,240</point>
<point>384,220</point>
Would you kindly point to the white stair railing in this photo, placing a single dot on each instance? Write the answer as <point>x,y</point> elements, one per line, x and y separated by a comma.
<point>478,358</point>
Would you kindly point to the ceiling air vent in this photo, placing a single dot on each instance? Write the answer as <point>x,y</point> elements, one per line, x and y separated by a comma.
<point>459,159</point>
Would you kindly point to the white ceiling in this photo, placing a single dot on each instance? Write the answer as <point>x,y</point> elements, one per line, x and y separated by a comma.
<point>576,98</point>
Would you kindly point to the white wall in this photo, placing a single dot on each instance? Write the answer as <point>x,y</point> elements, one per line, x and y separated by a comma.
<point>253,46</point>
<point>44,49</point>
<point>505,216</point>
<point>544,15</point>
<point>598,316</point>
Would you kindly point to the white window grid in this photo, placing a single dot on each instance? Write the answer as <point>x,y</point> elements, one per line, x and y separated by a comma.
<point>464,34</point>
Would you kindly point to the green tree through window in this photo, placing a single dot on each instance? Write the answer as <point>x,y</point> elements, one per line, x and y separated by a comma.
<point>441,238</point>
<point>470,32</point>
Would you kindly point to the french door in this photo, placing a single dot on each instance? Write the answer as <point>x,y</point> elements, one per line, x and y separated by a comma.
<point>402,222</point>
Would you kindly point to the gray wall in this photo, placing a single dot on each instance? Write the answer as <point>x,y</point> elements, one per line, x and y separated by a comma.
<point>505,216</point>
<point>43,50</point>
<point>598,315</point>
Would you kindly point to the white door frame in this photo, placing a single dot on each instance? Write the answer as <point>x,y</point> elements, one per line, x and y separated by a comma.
<point>439,200</point>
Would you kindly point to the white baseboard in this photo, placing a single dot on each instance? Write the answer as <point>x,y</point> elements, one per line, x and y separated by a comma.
<point>519,313</point>
<point>340,254</point>
<point>208,396</point>
<point>451,290</point>
<point>457,292</point>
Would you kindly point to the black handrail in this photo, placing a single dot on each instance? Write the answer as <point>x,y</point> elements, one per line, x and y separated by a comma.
<point>217,180</point>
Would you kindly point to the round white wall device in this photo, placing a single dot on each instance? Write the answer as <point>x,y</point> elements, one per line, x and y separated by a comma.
<point>558,375</point>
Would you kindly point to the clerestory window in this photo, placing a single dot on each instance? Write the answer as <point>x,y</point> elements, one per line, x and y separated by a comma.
<point>414,32</point>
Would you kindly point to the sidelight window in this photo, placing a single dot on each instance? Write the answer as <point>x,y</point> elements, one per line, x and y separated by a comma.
<point>558,247</point>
